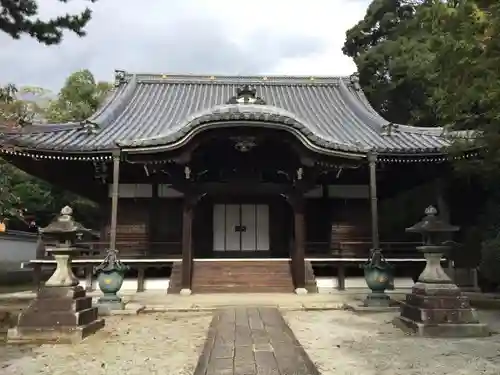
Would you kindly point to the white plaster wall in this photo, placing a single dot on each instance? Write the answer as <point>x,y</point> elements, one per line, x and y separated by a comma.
<point>15,249</point>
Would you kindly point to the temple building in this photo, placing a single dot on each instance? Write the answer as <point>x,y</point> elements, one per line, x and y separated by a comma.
<point>227,176</point>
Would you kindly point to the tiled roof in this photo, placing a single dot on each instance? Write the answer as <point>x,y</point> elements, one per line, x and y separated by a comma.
<point>330,113</point>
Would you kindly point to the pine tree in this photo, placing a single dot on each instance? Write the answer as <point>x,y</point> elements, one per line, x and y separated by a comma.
<point>20,17</point>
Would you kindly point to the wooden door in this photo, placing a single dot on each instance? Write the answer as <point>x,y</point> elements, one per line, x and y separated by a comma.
<point>241,227</point>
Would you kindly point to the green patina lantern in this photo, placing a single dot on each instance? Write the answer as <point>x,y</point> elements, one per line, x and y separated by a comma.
<point>379,277</point>
<point>110,276</point>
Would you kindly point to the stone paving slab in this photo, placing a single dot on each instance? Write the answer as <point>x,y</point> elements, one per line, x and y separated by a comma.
<point>252,341</point>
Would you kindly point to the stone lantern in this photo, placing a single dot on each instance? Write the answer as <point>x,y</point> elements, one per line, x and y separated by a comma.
<point>65,231</point>
<point>436,307</point>
<point>61,311</point>
<point>434,232</point>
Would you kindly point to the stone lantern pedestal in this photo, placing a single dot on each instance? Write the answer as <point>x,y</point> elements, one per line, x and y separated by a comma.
<point>436,307</point>
<point>61,311</point>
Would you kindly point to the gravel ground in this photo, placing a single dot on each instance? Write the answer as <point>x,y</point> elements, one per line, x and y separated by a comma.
<point>342,343</point>
<point>143,344</point>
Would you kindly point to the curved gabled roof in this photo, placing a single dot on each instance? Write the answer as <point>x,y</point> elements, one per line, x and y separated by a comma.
<point>159,110</point>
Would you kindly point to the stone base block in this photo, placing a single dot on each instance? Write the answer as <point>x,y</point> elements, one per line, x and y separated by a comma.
<point>185,292</point>
<point>377,300</point>
<point>105,308</point>
<point>440,310</point>
<point>130,309</point>
<point>361,308</point>
<point>57,314</point>
<point>301,291</point>
<point>59,335</point>
<point>442,330</point>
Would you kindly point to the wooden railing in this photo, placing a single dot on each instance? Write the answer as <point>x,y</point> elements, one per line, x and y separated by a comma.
<point>361,249</point>
<point>128,249</point>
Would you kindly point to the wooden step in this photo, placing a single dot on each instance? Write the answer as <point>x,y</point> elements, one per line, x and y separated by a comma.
<point>241,289</point>
<point>242,277</point>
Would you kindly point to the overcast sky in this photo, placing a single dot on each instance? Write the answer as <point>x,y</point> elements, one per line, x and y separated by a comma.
<point>292,37</point>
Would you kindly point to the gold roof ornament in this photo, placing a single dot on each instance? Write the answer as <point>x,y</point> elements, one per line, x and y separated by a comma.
<point>164,76</point>
<point>264,78</point>
<point>212,77</point>
<point>311,79</point>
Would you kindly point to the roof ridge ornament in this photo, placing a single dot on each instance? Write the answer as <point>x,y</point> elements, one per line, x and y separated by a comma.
<point>387,129</point>
<point>120,77</point>
<point>354,78</point>
<point>246,94</point>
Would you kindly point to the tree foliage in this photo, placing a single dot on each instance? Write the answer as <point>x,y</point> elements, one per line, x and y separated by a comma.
<point>20,17</point>
<point>378,46</point>
<point>22,106</point>
<point>79,98</point>
<point>433,63</point>
<point>22,195</point>
<point>437,63</point>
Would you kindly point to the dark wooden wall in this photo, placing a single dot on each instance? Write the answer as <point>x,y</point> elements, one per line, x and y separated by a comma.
<point>142,230</point>
<point>155,228</point>
<point>330,221</point>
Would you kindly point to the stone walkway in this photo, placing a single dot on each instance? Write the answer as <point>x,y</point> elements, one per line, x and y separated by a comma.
<point>248,341</point>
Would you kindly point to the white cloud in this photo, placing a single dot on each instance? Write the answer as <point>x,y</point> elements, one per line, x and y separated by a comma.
<point>191,36</point>
<point>324,21</point>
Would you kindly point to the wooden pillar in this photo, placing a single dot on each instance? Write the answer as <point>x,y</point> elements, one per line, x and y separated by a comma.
<point>114,199</point>
<point>187,244</point>
<point>441,202</point>
<point>444,214</point>
<point>341,276</point>
<point>89,279</point>
<point>298,255</point>
<point>372,164</point>
<point>141,270</point>
<point>327,212</point>
<point>153,217</point>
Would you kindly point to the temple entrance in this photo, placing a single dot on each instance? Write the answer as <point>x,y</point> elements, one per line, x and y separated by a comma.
<point>240,228</point>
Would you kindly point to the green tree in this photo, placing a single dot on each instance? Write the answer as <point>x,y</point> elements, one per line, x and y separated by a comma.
<point>440,62</point>
<point>20,107</point>
<point>79,98</point>
<point>20,193</point>
<point>397,48</point>
<point>377,45</point>
<point>20,17</point>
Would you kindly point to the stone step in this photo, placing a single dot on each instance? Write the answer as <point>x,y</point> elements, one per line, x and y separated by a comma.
<point>241,289</point>
<point>241,277</point>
